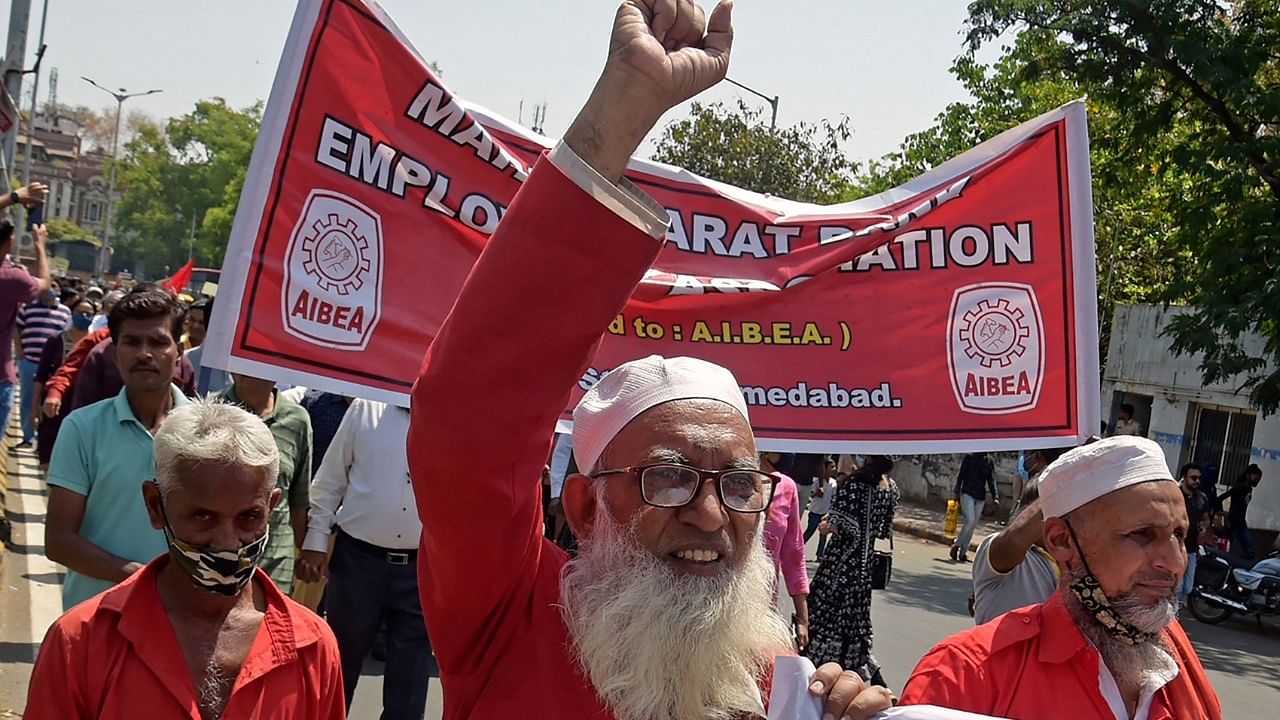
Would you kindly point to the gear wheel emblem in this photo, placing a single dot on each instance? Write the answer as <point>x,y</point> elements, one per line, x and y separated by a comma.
<point>994,333</point>
<point>336,254</point>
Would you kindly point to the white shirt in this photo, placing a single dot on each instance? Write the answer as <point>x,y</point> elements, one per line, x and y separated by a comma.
<point>1153,679</point>
<point>363,483</point>
<point>822,505</point>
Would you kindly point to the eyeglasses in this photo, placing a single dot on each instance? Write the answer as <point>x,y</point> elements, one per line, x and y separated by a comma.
<point>667,485</point>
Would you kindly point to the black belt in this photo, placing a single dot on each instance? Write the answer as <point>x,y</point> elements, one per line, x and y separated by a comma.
<point>389,555</point>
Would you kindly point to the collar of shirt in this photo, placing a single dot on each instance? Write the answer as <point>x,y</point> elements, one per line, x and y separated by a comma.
<point>125,412</point>
<point>137,602</point>
<point>1152,680</point>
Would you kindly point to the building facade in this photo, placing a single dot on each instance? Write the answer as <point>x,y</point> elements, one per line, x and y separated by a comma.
<point>1213,425</point>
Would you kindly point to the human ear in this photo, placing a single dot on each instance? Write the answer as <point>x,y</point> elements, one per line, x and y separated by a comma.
<point>578,498</point>
<point>151,496</point>
<point>1057,540</point>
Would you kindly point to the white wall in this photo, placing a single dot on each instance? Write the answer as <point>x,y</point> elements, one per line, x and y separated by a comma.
<point>1140,361</point>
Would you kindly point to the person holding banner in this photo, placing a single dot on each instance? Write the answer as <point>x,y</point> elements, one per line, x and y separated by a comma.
<point>667,610</point>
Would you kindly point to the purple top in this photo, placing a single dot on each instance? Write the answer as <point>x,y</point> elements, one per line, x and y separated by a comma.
<point>784,538</point>
<point>100,378</point>
<point>17,288</point>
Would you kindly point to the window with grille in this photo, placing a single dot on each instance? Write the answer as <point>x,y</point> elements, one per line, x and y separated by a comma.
<point>1223,438</point>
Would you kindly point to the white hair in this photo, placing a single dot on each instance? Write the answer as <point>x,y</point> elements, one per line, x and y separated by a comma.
<point>206,431</point>
<point>662,646</point>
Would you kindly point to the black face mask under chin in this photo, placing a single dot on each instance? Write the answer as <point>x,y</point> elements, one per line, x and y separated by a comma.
<point>1088,591</point>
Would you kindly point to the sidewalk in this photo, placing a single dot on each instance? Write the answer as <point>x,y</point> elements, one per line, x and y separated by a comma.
<point>30,584</point>
<point>926,523</point>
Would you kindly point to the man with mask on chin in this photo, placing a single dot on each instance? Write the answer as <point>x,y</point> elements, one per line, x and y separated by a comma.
<point>199,632</point>
<point>667,611</point>
<point>1107,644</point>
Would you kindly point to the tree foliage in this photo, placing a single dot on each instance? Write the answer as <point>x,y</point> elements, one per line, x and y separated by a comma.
<point>96,128</point>
<point>62,230</point>
<point>1184,102</point>
<point>192,170</point>
<point>734,145</point>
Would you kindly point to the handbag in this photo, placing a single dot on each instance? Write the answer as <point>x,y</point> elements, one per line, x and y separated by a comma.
<point>882,566</point>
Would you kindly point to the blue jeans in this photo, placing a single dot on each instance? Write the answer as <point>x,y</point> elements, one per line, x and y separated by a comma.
<point>971,508</point>
<point>1189,579</point>
<point>364,592</point>
<point>6,403</point>
<point>1241,542</point>
<point>815,519</point>
<point>27,378</point>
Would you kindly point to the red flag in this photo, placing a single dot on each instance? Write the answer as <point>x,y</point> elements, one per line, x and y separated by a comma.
<point>179,280</point>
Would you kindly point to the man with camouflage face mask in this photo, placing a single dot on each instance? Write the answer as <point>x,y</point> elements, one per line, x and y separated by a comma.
<point>1107,644</point>
<point>200,631</point>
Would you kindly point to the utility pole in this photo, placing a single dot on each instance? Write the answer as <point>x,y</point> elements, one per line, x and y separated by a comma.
<point>773,101</point>
<point>104,257</point>
<point>14,58</point>
<point>35,93</point>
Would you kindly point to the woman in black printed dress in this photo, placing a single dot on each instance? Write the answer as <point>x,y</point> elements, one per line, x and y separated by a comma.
<point>840,595</point>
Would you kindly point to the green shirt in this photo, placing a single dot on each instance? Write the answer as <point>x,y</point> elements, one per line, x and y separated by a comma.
<point>105,454</point>
<point>291,427</point>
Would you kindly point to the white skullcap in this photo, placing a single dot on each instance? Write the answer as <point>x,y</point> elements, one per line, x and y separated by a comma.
<point>1091,471</point>
<point>635,386</point>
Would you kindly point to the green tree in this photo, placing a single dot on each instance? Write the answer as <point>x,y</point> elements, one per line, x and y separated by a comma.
<point>1194,86</point>
<point>61,230</point>
<point>736,146</point>
<point>190,171</point>
<point>1139,260</point>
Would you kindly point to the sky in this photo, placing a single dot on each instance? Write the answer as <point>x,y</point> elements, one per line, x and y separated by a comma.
<point>882,63</point>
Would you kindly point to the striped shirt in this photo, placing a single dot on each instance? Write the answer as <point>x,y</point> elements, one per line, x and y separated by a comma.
<point>37,323</point>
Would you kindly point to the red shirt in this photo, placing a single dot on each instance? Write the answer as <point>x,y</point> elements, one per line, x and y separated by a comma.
<point>116,657</point>
<point>1034,664</point>
<point>559,268</point>
<point>57,386</point>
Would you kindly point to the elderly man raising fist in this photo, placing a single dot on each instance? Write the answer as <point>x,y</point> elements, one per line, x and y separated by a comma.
<point>667,611</point>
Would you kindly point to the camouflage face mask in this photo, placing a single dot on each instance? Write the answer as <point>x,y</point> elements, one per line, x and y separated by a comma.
<point>223,572</point>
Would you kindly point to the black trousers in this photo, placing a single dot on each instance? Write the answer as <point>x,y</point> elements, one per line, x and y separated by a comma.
<point>366,590</point>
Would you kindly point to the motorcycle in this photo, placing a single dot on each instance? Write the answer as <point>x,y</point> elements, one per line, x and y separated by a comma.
<point>1226,584</point>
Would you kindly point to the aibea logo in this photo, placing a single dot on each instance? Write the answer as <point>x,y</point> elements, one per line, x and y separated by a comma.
<point>995,343</point>
<point>333,273</point>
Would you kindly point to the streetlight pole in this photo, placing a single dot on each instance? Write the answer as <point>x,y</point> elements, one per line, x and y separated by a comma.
<point>773,101</point>
<point>35,94</point>
<point>104,257</point>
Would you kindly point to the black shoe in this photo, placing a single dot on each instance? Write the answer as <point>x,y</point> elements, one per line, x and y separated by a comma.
<point>964,558</point>
<point>24,444</point>
<point>955,552</point>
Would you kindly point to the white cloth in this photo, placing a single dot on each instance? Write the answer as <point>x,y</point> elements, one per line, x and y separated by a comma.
<point>1153,680</point>
<point>363,483</point>
<point>635,386</point>
<point>790,698</point>
<point>629,202</point>
<point>1088,472</point>
<point>821,505</point>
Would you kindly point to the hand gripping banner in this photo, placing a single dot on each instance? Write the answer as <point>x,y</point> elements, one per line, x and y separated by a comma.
<point>953,313</point>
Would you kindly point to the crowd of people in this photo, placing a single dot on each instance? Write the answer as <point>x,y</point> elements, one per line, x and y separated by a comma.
<point>207,522</point>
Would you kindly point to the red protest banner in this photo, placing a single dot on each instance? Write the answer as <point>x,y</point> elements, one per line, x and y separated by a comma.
<point>955,312</point>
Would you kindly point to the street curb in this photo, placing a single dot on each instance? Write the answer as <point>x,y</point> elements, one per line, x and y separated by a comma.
<point>929,531</point>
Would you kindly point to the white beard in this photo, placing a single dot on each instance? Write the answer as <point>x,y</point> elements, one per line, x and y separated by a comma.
<point>1129,664</point>
<point>658,645</point>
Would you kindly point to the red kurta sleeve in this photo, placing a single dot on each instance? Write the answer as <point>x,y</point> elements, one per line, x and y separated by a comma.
<point>66,375</point>
<point>56,689</point>
<point>520,334</point>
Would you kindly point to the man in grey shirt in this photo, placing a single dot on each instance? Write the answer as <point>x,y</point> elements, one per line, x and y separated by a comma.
<point>1011,570</point>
